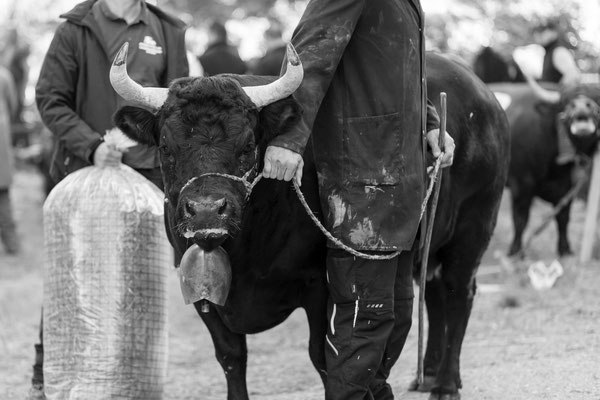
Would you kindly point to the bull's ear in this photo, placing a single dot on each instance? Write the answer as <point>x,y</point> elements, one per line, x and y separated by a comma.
<point>279,117</point>
<point>137,123</point>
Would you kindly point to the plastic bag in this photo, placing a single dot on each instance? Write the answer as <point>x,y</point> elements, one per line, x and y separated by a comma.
<point>105,287</point>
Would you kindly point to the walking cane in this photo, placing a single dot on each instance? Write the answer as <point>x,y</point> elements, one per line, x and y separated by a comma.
<point>429,230</point>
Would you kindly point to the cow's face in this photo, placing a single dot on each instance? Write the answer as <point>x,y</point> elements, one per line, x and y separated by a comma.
<point>581,119</point>
<point>209,132</point>
<point>208,128</point>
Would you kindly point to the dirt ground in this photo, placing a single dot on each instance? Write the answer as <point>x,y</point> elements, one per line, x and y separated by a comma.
<point>521,344</point>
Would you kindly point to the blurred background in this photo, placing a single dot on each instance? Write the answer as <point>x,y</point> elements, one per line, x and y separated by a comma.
<point>459,27</point>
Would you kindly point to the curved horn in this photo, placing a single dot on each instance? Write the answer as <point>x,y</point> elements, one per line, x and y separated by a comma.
<point>549,96</point>
<point>282,87</point>
<point>148,97</point>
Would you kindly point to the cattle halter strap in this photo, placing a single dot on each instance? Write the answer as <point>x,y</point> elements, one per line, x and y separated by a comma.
<point>433,175</point>
<point>243,179</point>
<point>250,186</point>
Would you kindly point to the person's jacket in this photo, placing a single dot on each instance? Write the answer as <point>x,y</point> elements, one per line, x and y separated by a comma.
<point>364,101</point>
<point>74,96</point>
<point>221,58</point>
<point>549,72</point>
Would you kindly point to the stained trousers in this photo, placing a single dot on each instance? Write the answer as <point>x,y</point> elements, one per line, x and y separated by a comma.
<point>370,315</point>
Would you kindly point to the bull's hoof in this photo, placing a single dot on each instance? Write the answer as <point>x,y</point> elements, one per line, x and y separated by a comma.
<point>444,396</point>
<point>516,252</point>
<point>426,386</point>
<point>565,251</point>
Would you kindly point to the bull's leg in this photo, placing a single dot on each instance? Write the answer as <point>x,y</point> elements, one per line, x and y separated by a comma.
<point>315,305</point>
<point>231,352</point>
<point>562,220</point>
<point>460,259</point>
<point>460,290</point>
<point>521,204</point>
<point>435,295</point>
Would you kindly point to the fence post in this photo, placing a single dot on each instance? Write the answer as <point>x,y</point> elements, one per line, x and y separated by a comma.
<point>591,212</point>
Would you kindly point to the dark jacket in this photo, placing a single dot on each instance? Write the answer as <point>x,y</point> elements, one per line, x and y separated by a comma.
<point>221,58</point>
<point>74,96</point>
<point>364,101</point>
<point>549,72</point>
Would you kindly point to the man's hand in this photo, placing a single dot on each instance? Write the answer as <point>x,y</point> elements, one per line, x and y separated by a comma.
<point>106,155</point>
<point>433,139</point>
<point>283,164</point>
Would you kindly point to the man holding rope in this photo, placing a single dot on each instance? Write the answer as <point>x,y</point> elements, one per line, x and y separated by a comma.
<point>364,100</point>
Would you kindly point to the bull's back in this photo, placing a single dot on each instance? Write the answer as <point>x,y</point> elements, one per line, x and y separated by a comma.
<point>477,123</point>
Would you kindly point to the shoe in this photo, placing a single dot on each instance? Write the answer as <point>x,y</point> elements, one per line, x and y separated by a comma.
<point>36,392</point>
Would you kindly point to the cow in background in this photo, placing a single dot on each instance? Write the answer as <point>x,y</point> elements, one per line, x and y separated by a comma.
<point>222,125</point>
<point>535,113</point>
<point>491,67</point>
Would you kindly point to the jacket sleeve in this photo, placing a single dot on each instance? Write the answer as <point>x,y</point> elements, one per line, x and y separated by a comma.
<point>433,119</point>
<point>320,39</point>
<point>55,94</point>
<point>177,58</point>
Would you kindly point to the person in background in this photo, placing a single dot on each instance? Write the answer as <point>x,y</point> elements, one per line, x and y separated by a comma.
<point>270,63</point>
<point>15,55</point>
<point>559,67</point>
<point>366,118</point>
<point>220,57</point>
<point>8,109</point>
<point>76,100</point>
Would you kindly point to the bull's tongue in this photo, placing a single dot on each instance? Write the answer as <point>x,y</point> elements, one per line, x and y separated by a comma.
<point>205,275</point>
<point>582,128</point>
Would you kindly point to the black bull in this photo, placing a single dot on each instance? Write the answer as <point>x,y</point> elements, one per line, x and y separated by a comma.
<point>276,252</point>
<point>533,170</point>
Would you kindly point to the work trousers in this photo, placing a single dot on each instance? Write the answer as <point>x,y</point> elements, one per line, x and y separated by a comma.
<point>370,315</point>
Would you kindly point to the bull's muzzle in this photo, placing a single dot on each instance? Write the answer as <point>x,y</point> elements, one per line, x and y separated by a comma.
<point>205,218</point>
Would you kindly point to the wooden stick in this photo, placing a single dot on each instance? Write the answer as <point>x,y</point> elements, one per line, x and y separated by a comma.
<point>591,213</point>
<point>428,234</point>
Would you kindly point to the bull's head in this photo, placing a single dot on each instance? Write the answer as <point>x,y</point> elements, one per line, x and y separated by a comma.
<point>579,113</point>
<point>204,126</point>
<point>580,117</point>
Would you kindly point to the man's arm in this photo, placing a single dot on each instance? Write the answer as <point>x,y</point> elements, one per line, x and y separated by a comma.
<point>433,134</point>
<point>55,95</point>
<point>564,62</point>
<point>320,39</point>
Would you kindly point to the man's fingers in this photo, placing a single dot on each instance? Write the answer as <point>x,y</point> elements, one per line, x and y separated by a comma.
<point>298,175</point>
<point>288,174</point>
<point>266,168</point>
<point>433,145</point>
<point>274,171</point>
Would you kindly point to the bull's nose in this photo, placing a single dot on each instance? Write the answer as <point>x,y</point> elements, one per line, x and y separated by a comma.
<point>208,206</point>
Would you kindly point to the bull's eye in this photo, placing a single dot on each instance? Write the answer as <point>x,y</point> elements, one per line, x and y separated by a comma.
<point>164,150</point>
